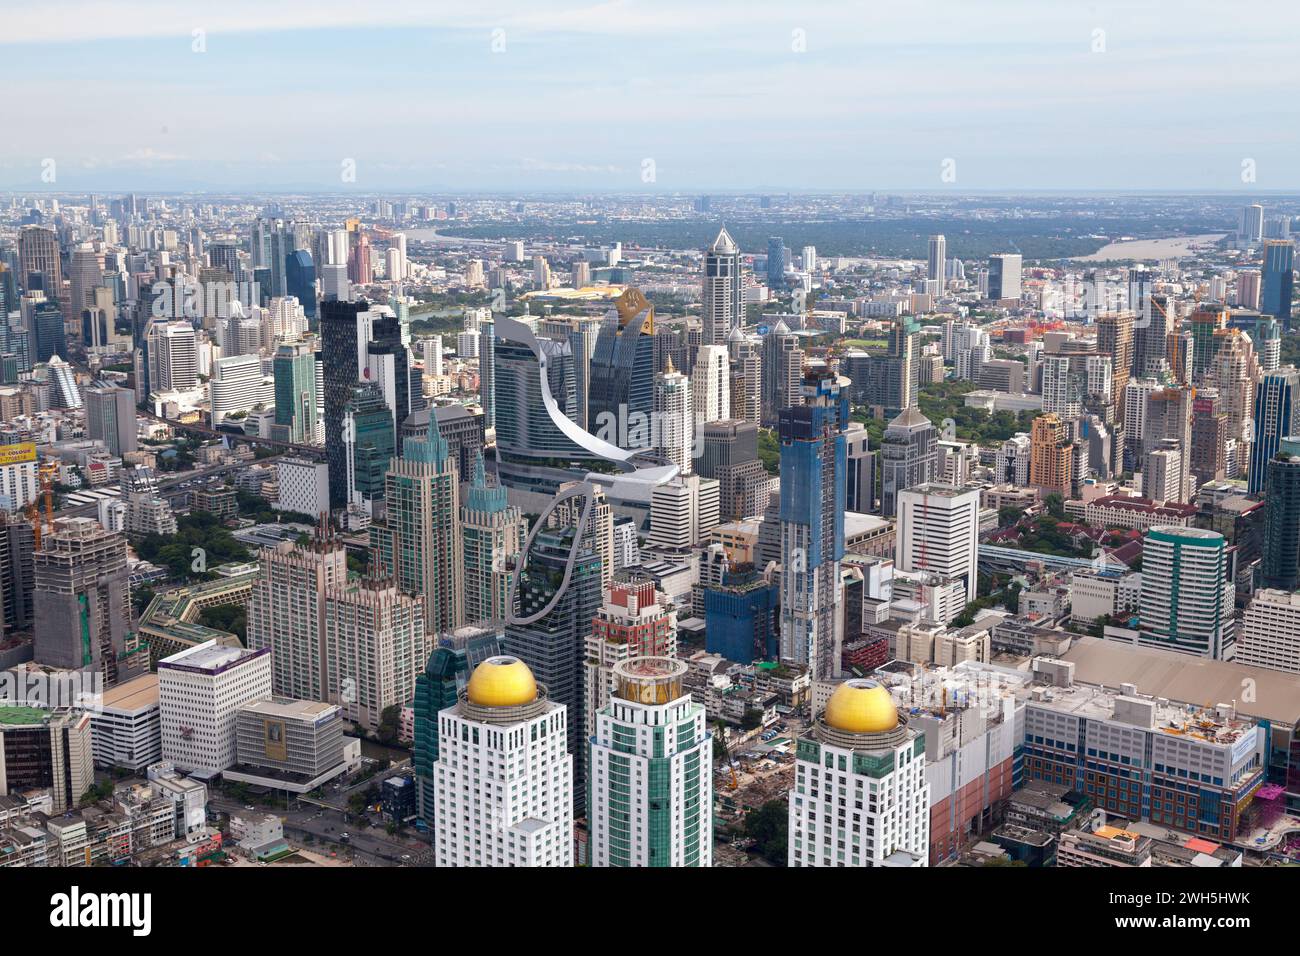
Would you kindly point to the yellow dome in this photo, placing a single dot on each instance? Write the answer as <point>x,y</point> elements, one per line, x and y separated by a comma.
<point>861,707</point>
<point>502,682</point>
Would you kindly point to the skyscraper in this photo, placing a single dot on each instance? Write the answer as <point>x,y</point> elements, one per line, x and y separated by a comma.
<point>776,264</point>
<point>300,282</point>
<point>813,464</point>
<point>376,645</point>
<point>1280,557</point>
<point>674,422</point>
<point>908,456</point>
<point>493,536</point>
<point>782,370</point>
<point>746,376</point>
<point>1186,601</point>
<point>1051,461</point>
<point>621,382</point>
<point>556,593</point>
<point>1004,276</point>
<point>860,751</point>
<point>110,417</point>
<point>286,614</point>
<point>937,260</point>
<point>294,368</point>
<point>339,329</point>
<point>723,303</point>
<point>419,542</point>
<point>651,789</point>
<point>1278,284</point>
<point>711,384</point>
<point>1276,417</point>
<point>504,777</point>
<point>938,532</point>
<point>82,603</point>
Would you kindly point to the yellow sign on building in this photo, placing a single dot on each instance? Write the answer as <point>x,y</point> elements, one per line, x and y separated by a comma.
<point>17,454</point>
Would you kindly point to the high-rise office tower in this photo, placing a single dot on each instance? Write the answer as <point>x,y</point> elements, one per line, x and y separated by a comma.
<point>368,423</point>
<point>651,771</point>
<point>1051,461</point>
<point>711,384</point>
<point>81,603</point>
<point>38,251</point>
<point>860,474</point>
<point>729,453</point>
<point>782,369</point>
<point>1278,284</point>
<point>908,456</point>
<point>286,614</point>
<point>376,645</point>
<point>45,322</point>
<point>49,751</point>
<point>504,777</point>
<point>237,386</point>
<point>300,282</point>
<point>746,377</point>
<point>1248,281</point>
<point>1163,477</point>
<point>1280,557</point>
<point>173,356</point>
<point>493,535</point>
<point>724,302</point>
<point>776,264</point>
<point>1186,601</point>
<point>813,454</point>
<point>86,270</point>
<point>110,417</point>
<point>674,420</point>
<point>1169,417</point>
<point>200,692</point>
<point>860,794</point>
<point>682,513</point>
<point>419,542</point>
<point>937,260</point>
<point>340,350</point>
<point>294,368</point>
<point>388,365</point>
<point>938,532</point>
<point>1251,226</point>
<point>1276,417</point>
<point>1004,276</point>
<point>621,380</point>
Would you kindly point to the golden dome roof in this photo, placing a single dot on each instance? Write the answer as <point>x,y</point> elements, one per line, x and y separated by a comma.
<point>501,682</point>
<point>861,707</point>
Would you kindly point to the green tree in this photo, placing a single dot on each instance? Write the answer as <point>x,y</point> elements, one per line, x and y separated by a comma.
<point>769,826</point>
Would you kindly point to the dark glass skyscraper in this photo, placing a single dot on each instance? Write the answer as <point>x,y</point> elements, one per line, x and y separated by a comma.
<point>621,376</point>
<point>1278,280</point>
<point>776,264</point>
<point>300,282</point>
<point>1280,560</point>
<point>1275,418</point>
<point>339,351</point>
<point>51,339</point>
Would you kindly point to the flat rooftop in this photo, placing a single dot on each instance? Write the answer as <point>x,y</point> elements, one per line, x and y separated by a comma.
<point>288,708</point>
<point>135,694</point>
<point>208,657</point>
<point>1180,677</point>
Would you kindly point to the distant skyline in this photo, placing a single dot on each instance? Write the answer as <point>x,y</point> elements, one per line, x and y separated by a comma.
<point>584,97</point>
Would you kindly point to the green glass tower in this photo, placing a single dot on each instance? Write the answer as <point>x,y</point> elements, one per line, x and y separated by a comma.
<point>294,367</point>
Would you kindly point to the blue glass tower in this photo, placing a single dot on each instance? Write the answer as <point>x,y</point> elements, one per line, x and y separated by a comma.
<point>1278,281</point>
<point>621,376</point>
<point>1275,419</point>
<point>300,282</point>
<point>775,263</point>
<point>814,460</point>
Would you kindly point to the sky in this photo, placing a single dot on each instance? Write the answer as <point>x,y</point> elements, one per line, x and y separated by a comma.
<point>660,96</point>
